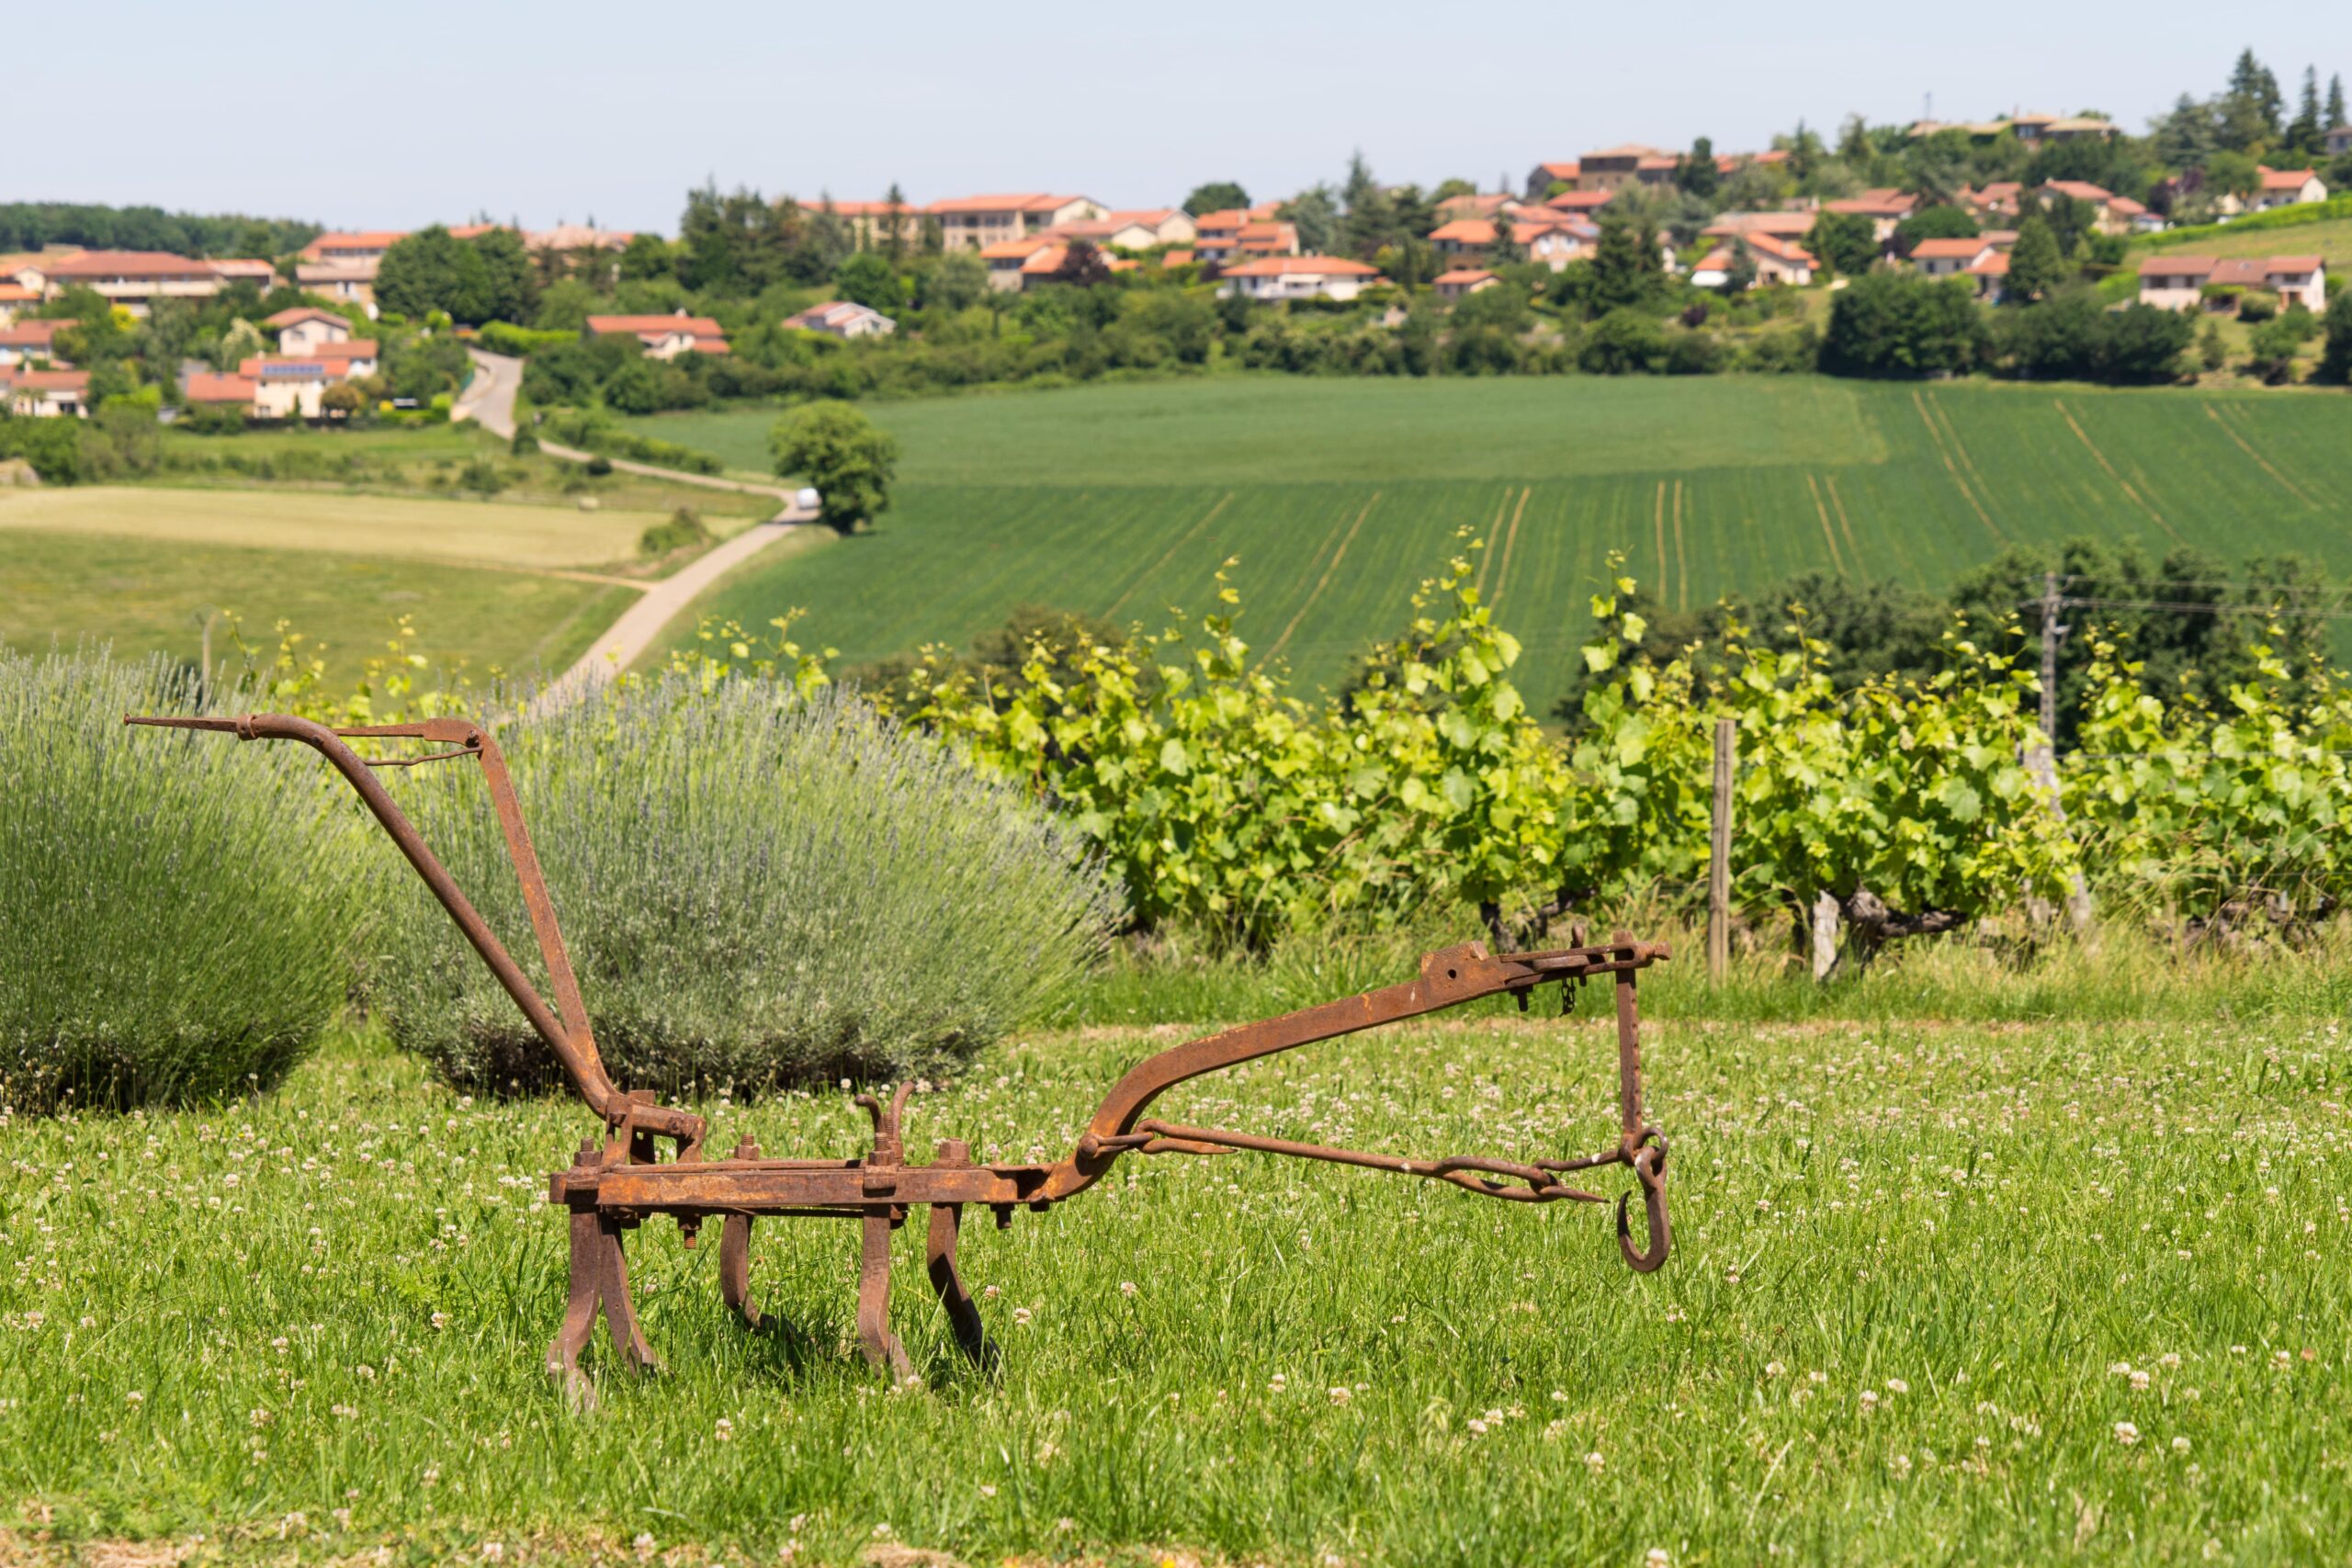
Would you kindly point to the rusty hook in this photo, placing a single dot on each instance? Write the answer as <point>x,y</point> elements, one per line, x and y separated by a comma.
<point>1648,1164</point>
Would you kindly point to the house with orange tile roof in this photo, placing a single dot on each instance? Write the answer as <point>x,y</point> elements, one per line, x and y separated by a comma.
<point>134,279</point>
<point>32,339</point>
<point>1883,208</point>
<point>574,237</point>
<point>15,298</point>
<point>346,357</point>
<point>1792,225</point>
<point>1581,203</point>
<point>2288,188</point>
<point>30,269</point>
<point>305,327</point>
<point>974,223</point>
<point>206,390</point>
<point>1298,278</point>
<point>870,223</point>
<point>240,269</point>
<point>665,337</point>
<point>1551,239</point>
<point>1006,258</point>
<point>289,386</point>
<point>1451,286</point>
<point>46,394</point>
<point>1991,272</point>
<point>1780,260</point>
<point>342,266</point>
<point>842,319</point>
<point>1235,235</point>
<point>1138,230</point>
<point>1543,176</point>
<point>1631,163</point>
<point>2175,282</point>
<point>1949,258</point>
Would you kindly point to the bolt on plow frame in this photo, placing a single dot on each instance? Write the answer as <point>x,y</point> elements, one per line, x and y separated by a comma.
<point>614,1183</point>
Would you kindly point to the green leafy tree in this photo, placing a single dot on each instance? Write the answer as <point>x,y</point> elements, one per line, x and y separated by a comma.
<point>1315,212</point>
<point>1697,174</point>
<point>2233,172</point>
<point>849,460</point>
<point>893,226</point>
<point>2036,263</point>
<point>2336,359</point>
<point>503,286</point>
<point>2212,351</point>
<point>1933,223</point>
<point>1892,323</point>
<point>421,273</point>
<point>1624,266</point>
<point>645,256</point>
<point>2250,107</point>
<point>1504,250</point>
<point>868,278</point>
<point>956,281</point>
<point>2334,113</point>
<point>1843,242</point>
<point>1217,195</point>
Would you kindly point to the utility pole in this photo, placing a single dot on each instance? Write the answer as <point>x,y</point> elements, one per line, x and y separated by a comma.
<point>2051,632</point>
<point>1719,854</point>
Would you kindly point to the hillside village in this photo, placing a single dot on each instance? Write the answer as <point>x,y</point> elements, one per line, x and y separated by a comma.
<point>1626,257</point>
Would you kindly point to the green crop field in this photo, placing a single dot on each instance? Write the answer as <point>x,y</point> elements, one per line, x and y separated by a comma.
<point>1338,496</point>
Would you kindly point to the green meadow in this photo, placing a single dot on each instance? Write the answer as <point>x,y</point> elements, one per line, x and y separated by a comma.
<point>1337,496</point>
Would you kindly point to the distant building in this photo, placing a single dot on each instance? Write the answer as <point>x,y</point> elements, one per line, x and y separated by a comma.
<point>1554,240</point>
<point>134,279</point>
<point>1006,258</point>
<point>842,319</point>
<point>15,298</point>
<point>1580,203</point>
<point>1884,208</point>
<point>872,224</point>
<point>206,390</point>
<point>1780,225</point>
<point>343,266</point>
<point>2339,142</point>
<point>2181,282</point>
<point>1241,233</point>
<point>305,327</point>
<point>1133,230</point>
<point>1779,262</point>
<point>2288,188</point>
<point>1298,278</point>
<point>1948,258</point>
<point>1451,286</point>
<point>1543,176</point>
<point>1634,163</point>
<point>46,394</point>
<point>665,337</point>
<point>574,237</point>
<point>974,223</point>
<point>31,340</point>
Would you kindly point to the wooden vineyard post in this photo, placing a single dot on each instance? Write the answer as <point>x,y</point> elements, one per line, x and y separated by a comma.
<point>1719,855</point>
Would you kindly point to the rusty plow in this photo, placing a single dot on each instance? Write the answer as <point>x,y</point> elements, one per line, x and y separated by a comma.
<point>619,1179</point>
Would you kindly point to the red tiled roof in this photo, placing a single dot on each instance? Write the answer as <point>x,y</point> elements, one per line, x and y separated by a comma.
<point>1635,150</point>
<point>1046,259</point>
<point>128,264</point>
<point>47,381</point>
<point>364,240</point>
<point>1947,250</point>
<point>306,313</point>
<point>2287,179</point>
<point>1026,201</point>
<point>204,387</point>
<point>1463,275</point>
<point>16,294</point>
<point>1320,266</point>
<point>349,348</point>
<point>1580,200</point>
<point>1716,260</point>
<point>1993,266</point>
<point>33,334</point>
<point>1222,218</point>
<point>1013,250</point>
<point>1780,250</point>
<point>876,208</point>
<point>2177,266</point>
<point>656,326</point>
<point>1464,231</point>
<point>1176,258</point>
<point>2081,190</point>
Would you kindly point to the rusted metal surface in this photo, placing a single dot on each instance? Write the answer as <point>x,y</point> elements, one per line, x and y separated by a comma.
<point>611,1186</point>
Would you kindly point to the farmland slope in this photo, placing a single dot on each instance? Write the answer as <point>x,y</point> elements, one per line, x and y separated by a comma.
<point>1337,496</point>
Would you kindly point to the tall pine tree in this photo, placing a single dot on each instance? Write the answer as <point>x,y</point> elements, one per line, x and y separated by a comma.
<point>2036,263</point>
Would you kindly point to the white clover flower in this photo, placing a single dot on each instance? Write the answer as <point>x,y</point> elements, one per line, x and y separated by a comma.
<point>2126,1433</point>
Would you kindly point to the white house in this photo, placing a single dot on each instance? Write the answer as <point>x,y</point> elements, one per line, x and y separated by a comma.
<point>842,319</point>
<point>2288,188</point>
<point>1777,261</point>
<point>134,279</point>
<point>288,388</point>
<point>1298,278</point>
<point>2178,282</point>
<point>305,327</point>
<point>46,394</point>
<point>1948,258</point>
<point>1138,229</point>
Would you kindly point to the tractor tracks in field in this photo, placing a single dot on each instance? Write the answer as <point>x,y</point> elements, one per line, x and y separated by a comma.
<point>2122,483</point>
<point>1329,571</point>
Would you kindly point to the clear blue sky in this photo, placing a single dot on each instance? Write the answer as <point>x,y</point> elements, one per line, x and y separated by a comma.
<point>392,116</point>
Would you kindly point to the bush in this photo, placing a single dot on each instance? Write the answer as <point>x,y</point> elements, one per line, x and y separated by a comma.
<point>1889,323</point>
<point>758,889</point>
<point>176,920</point>
<point>684,528</point>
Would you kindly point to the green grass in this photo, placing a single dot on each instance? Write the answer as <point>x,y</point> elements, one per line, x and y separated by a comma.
<point>1339,495</point>
<point>146,594</point>
<point>1910,1260</point>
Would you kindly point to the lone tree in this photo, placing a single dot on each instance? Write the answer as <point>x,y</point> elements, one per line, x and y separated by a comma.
<point>1217,195</point>
<point>838,451</point>
<point>2036,263</point>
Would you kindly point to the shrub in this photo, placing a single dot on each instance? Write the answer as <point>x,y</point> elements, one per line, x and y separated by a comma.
<point>176,922</point>
<point>758,888</point>
<point>2256,305</point>
<point>684,528</point>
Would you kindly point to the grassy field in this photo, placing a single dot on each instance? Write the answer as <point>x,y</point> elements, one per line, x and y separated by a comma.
<point>1338,496</point>
<point>2073,1292</point>
<point>150,593</point>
